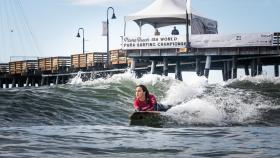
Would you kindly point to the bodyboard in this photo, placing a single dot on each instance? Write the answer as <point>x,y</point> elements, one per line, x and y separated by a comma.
<point>148,118</point>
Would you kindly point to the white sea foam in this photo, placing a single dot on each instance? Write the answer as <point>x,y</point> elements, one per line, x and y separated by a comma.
<point>179,92</point>
<point>77,80</point>
<point>153,79</point>
<point>196,111</point>
<point>116,78</point>
<point>257,79</point>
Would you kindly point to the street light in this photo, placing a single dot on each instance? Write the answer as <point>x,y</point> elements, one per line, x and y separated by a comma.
<point>113,17</point>
<point>78,35</point>
<point>187,29</point>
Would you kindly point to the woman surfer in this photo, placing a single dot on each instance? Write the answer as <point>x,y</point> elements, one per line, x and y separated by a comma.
<point>144,101</point>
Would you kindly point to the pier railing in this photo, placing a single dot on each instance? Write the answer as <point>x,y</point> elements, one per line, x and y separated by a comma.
<point>119,56</point>
<point>88,60</point>
<point>4,68</point>
<point>58,64</point>
<point>23,67</point>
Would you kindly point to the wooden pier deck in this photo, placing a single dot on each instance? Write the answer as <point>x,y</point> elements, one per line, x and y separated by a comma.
<point>168,57</point>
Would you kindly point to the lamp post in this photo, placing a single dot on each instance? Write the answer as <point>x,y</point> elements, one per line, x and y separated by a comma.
<point>78,35</point>
<point>187,28</point>
<point>113,17</point>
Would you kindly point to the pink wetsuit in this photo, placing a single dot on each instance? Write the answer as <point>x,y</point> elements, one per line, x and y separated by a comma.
<point>143,106</point>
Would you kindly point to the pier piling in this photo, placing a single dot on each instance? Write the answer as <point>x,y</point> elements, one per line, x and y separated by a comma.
<point>47,81</point>
<point>165,66</point>
<point>57,80</point>
<point>33,82</point>
<point>1,83</point>
<point>133,63</point>
<point>224,71</point>
<point>153,67</point>
<point>197,66</point>
<point>234,67</point>
<point>259,63</point>
<point>276,70</point>
<point>7,83</point>
<point>42,81</point>
<point>178,72</point>
<point>229,70</point>
<point>254,68</point>
<point>207,66</point>
<point>246,69</point>
<point>14,82</point>
<point>20,82</point>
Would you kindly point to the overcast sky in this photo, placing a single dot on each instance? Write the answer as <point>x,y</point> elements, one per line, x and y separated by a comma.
<point>49,27</point>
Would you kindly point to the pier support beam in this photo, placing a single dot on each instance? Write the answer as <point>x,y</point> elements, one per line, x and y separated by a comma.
<point>254,68</point>
<point>133,62</point>
<point>14,82</point>
<point>42,81</point>
<point>197,66</point>
<point>229,72</point>
<point>246,69</point>
<point>7,83</point>
<point>276,70</point>
<point>178,72</point>
<point>259,63</point>
<point>63,79</point>
<point>224,71</point>
<point>27,82</point>
<point>38,81</point>
<point>153,67</point>
<point>1,83</point>
<point>20,82</point>
<point>165,66</point>
<point>207,66</point>
<point>33,82</point>
<point>54,79</point>
<point>47,81</point>
<point>234,67</point>
<point>57,80</point>
<point>201,70</point>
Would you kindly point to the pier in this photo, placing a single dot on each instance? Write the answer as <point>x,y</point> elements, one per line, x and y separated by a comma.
<point>247,51</point>
<point>200,59</point>
<point>46,71</point>
<point>169,59</point>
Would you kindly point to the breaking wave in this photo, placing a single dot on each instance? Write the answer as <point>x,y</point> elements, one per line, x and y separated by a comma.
<point>244,101</point>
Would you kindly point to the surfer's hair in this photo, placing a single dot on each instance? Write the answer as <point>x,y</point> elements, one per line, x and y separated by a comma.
<point>145,89</point>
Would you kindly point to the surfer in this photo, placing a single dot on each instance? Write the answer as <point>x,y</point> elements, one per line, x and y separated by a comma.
<point>144,101</point>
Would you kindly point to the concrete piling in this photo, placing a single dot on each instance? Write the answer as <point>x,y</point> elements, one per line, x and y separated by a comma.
<point>178,72</point>
<point>153,67</point>
<point>276,70</point>
<point>207,66</point>
<point>165,66</point>
<point>234,67</point>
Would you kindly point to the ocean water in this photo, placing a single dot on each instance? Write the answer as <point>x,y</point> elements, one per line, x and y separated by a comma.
<point>239,118</point>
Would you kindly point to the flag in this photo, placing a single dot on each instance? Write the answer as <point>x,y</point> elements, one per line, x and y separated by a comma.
<point>201,25</point>
<point>104,28</point>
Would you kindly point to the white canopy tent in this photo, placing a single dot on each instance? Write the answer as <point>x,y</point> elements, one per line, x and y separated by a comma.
<point>172,12</point>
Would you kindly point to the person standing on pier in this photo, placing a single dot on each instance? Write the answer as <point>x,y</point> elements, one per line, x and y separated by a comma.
<point>175,31</point>
<point>157,33</point>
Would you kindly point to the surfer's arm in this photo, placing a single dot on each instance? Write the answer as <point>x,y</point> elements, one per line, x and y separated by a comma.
<point>136,105</point>
<point>153,100</point>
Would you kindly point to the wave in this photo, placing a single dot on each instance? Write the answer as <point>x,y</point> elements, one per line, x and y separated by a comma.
<point>109,101</point>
